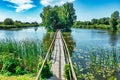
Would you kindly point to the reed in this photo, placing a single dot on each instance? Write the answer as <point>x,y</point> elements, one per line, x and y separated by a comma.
<point>28,52</point>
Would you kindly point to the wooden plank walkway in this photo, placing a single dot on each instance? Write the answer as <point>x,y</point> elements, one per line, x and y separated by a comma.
<point>58,59</point>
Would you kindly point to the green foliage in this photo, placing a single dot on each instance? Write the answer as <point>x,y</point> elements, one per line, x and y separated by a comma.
<point>46,73</point>
<point>19,70</point>
<point>98,63</point>
<point>25,24</point>
<point>89,25</point>
<point>68,16</point>
<point>67,71</point>
<point>8,21</point>
<point>10,64</point>
<point>58,17</point>
<point>27,52</point>
<point>69,41</point>
<point>94,21</point>
<point>16,77</point>
<point>113,20</point>
<point>102,23</point>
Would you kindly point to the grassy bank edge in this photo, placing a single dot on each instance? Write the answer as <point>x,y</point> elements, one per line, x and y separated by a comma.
<point>16,77</point>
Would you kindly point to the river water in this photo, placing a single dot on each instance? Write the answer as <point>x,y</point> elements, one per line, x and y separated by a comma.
<point>82,38</point>
<point>18,34</point>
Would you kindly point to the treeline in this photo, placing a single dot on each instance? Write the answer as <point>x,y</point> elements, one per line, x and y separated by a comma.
<point>103,23</point>
<point>9,23</point>
<point>58,17</point>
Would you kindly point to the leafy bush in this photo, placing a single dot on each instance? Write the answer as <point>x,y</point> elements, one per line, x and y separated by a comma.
<point>46,73</point>
<point>10,65</point>
<point>67,71</point>
<point>27,52</point>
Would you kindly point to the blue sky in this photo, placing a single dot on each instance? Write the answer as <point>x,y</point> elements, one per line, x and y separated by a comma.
<point>29,10</point>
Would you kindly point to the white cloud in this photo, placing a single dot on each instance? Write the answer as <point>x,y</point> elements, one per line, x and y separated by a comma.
<point>30,19</point>
<point>2,18</point>
<point>21,5</point>
<point>54,2</point>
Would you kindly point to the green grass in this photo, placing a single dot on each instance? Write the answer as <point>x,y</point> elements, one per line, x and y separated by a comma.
<point>20,77</point>
<point>21,57</point>
<point>28,52</point>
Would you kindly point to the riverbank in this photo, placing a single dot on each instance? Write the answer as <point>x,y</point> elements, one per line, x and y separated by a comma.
<point>20,77</point>
<point>14,26</point>
<point>96,26</point>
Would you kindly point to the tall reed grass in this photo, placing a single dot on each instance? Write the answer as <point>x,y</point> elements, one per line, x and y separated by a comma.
<point>28,52</point>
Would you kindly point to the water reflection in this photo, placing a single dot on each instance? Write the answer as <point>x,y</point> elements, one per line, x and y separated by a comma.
<point>36,28</point>
<point>69,41</point>
<point>84,37</point>
<point>113,37</point>
<point>96,54</point>
<point>47,39</point>
<point>30,33</point>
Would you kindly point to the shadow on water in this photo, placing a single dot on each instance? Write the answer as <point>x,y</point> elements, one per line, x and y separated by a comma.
<point>69,41</point>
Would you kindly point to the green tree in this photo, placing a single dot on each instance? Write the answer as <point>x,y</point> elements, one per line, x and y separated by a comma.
<point>113,20</point>
<point>45,15</point>
<point>94,21</point>
<point>18,23</point>
<point>68,16</point>
<point>118,26</point>
<point>8,21</point>
<point>58,17</point>
<point>104,21</point>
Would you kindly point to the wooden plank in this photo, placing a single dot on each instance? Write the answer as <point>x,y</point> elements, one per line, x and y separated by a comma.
<point>58,59</point>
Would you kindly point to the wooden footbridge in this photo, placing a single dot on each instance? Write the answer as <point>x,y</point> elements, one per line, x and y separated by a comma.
<point>58,53</point>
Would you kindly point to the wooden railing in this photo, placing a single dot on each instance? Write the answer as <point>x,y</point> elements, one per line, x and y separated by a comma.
<point>47,55</point>
<point>68,60</point>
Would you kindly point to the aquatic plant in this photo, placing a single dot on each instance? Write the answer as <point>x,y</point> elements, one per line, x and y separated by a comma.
<point>97,63</point>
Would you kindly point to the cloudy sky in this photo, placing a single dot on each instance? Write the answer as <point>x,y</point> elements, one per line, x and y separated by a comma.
<point>29,10</point>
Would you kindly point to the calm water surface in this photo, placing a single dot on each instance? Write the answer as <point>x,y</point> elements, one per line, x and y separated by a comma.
<point>89,61</point>
<point>31,33</point>
<point>95,37</point>
<point>82,38</point>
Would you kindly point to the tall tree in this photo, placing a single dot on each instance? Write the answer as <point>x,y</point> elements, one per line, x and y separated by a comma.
<point>58,17</point>
<point>68,15</point>
<point>8,21</point>
<point>113,20</point>
<point>45,15</point>
<point>94,21</point>
<point>104,21</point>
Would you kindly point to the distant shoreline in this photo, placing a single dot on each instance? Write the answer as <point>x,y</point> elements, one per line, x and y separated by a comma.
<point>7,27</point>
